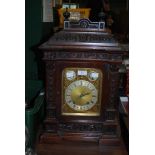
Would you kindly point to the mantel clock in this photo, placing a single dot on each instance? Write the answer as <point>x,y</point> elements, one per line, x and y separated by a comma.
<point>82,81</point>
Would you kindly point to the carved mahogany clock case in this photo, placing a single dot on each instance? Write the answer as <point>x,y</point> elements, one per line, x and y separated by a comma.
<point>82,82</point>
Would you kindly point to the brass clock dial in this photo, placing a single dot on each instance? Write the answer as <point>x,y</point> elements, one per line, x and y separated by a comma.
<point>81,95</point>
<point>81,91</point>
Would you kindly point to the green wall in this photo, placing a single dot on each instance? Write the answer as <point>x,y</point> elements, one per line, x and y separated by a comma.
<point>32,36</point>
<point>36,32</point>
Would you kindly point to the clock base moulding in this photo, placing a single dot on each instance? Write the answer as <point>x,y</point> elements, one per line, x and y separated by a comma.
<point>98,138</point>
<point>103,133</point>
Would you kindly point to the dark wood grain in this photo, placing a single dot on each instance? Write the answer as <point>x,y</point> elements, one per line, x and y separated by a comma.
<point>79,148</point>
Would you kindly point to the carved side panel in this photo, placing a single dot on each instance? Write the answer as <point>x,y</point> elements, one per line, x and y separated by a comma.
<point>50,87</point>
<point>110,115</point>
<point>50,127</point>
<point>113,85</point>
<point>51,111</point>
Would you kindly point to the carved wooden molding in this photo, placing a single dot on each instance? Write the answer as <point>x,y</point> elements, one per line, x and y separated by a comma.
<point>82,56</point>
<point>50,93</point>
<point>110,115</point>
<point>82,37</point>
<point>82,127</point>
<point>113,75</point>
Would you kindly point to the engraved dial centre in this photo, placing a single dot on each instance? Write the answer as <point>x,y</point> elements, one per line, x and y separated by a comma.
<point>81,95</point>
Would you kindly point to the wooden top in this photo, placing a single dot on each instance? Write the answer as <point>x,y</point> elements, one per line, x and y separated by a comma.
<point>94,40</point>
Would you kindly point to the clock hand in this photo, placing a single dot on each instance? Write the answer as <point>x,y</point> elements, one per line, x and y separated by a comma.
<point>84,94</point>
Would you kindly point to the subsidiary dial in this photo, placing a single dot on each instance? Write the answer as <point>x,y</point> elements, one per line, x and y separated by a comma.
<point>92,76</point>
<point>70,75</point>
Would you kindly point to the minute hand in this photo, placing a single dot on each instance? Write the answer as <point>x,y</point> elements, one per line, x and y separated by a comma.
<point>84,94</point>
